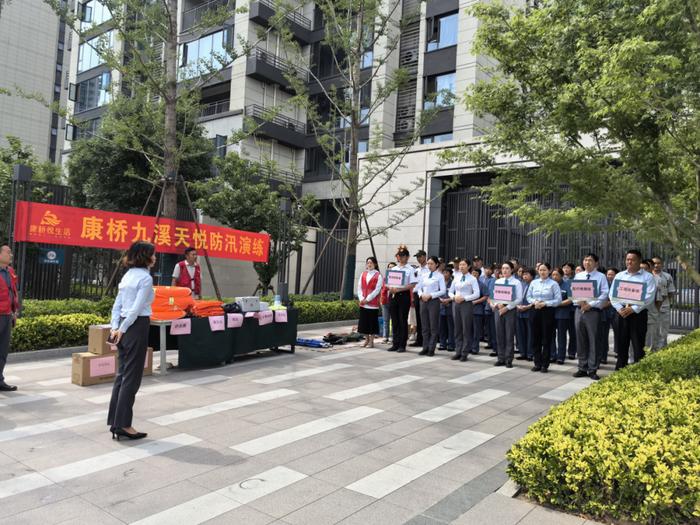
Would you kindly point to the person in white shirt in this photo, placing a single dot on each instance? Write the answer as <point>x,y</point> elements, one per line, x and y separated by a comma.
<point>504,313</point>
<point>632,318</point>
<point>430,288</point>
<point>464,290</point>
<point>369,286</point>
<point>422,269</point>
<point>400,300</point>
<point>588,317</point>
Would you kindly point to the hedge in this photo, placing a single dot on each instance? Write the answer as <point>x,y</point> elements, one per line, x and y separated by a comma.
<point>35,307</point>
<point>627,447</point>
<point>52,331</point>
<point>319,312</point>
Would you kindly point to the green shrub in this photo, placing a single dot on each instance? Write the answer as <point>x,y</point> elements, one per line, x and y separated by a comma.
<point>627,447</point>
<point>320,312</point>
<point>52,331</point>
<point>35,307</point>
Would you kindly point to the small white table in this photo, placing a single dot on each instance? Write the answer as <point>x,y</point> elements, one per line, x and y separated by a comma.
<point>162,339</point>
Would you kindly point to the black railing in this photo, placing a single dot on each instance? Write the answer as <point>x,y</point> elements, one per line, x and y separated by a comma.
<point>284,176</point>
<point>193,16</point>
<point>214,108</point>
<point>279,63</point>
<point>268,115</point>
<point>292,16</point>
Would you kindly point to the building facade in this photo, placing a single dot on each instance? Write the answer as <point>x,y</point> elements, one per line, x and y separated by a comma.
<point>34,59</point>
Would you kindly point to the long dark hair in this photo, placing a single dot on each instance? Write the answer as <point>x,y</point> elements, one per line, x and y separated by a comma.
<point>374,262</point>
<point>139,255</point>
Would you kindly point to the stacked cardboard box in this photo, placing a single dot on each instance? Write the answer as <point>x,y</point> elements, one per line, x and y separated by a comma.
<point>99,364</point>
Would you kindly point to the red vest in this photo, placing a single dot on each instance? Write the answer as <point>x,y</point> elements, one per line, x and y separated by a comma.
<point>7,307</point>
<point>185,279</point>
<point>368,288</point>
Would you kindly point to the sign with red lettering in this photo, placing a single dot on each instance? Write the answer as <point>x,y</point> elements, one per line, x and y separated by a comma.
<point>53,224</point>
<point>216,323</point>
<point>584,290</point>
<point>503,293</point>
<point>629,292</point>
<point>235,320</point>
<point>280,316</point>
<point>181,327</point>
<point>265,317</point>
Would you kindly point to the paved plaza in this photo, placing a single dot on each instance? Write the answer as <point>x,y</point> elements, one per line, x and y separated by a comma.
<point>349,436</point>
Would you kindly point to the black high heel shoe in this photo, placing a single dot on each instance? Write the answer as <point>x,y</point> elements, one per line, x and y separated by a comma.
<point>119,433</point>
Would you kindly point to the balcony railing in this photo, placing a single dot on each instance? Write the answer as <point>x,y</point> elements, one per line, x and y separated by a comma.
<point>292,16</point>
<point>221,106</point>
<point>192,17</point>
<point>279,63</point>
<point>264,114</point>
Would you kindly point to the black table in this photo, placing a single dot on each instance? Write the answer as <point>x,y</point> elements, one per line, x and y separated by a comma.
<point>204,348</point>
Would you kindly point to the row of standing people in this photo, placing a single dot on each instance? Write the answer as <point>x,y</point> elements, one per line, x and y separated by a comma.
<point>543,322</point>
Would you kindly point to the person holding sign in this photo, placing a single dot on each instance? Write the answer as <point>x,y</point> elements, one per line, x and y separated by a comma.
<point>507,294</point>
<point>431,287</point>
<point>464,290</point>
<point>544,295</point>
<point>131,321</point>
<point>368,289</point>
<point>400,281</point>
<point>589,291</point>
<point>631,293</point>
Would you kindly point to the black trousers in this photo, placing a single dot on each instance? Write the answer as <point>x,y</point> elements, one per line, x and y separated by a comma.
<point>631,329</point>
<point>5,333</point>
<point>542,332</point>
<point>419,324</point>
<point>132,358</point>
<point>399,305</point>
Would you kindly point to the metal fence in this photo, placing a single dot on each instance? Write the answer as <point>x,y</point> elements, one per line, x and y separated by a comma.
<point>329,273</point>
<point>472,227</point>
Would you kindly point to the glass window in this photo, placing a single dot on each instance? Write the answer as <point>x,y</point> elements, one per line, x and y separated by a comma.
<point>88,55</point>
<point>367,59</point>
<point>94,92</point>
<point>431,139</point>
<point>442,32</point>
<point>93,14</point>
<point>207,52</point>
<point>439,91</point>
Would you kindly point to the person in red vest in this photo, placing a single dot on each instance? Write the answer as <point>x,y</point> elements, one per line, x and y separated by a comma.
<point>9,307</point>
<point>188,274</point>
<point>369,288</point>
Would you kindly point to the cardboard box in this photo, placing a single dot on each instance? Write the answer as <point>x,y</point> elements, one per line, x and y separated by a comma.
<point>92,369</point>
<point>97,340</point>
<point>148,365</point>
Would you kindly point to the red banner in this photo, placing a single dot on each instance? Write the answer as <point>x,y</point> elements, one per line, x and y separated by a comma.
<point>52,224</point>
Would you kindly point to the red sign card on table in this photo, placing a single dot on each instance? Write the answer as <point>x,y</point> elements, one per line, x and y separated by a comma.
<point>53,224</point>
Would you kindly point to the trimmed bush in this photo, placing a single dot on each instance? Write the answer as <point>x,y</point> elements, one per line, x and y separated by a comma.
<point>52,331</point>
<point>35,307</point>
<point>320,312</point>
<point>627,447</point>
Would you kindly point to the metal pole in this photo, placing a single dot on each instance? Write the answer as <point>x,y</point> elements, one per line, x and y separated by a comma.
<point>369,234</point>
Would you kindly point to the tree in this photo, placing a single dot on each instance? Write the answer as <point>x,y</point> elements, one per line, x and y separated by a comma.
<point>362,39</point>
<point>240,197</point>
<point>18,153</point>
<point>604,99</point>
<point>110,172</point>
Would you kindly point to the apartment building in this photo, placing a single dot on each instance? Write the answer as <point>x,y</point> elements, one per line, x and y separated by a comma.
<point>436,50</point>
<point>34,58</point>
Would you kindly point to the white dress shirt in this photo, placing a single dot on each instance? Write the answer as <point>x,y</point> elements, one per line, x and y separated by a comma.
<point>374,293</point>
<point>432,283</point>
<point>134,298</point>
<point>466,286</point>
<point>642,276</point>
<point>602,285</point>
<point>410,278</point>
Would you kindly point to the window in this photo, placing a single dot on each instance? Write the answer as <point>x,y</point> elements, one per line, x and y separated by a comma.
<point>88,56</point>
<point>84,130</point>
<point>439,91</point>
<point>92,13</point>
<point>432,139</point>
<point>209,52</point>
<point>219,143</point>
<point>367,59</point>
<point>94,92</point>
<point>442,32</point>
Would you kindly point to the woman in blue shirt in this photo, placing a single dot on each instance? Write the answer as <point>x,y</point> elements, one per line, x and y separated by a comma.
<point>563,315</point>
<point>544,295</point>
<point>130,325</point>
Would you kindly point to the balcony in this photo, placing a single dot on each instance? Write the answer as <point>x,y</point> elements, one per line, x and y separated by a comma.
<point>214,108</point>
<point>283,129</point>
<point>267,67</point>
<point>193,16</point>
<point>261,11</point>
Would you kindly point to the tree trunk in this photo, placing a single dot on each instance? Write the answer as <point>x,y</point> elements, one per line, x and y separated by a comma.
<point>170,163</point>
